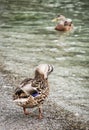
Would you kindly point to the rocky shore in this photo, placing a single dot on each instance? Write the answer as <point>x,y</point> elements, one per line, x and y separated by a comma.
<point>12,117</point>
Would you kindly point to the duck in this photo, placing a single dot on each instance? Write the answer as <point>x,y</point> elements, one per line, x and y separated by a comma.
<point>64,24</point>
<point>32,92</point>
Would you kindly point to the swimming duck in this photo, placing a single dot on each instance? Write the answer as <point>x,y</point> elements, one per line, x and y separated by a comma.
<point>33,91</point>
<point>64,24</point>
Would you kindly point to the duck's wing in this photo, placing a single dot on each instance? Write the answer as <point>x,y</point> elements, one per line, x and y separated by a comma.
<point>26,81</point>
<point>25,89</point>
<point>19,93</point>
<point>28,89</point>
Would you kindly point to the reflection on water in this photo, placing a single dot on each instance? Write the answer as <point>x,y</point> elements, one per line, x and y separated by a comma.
<point>28,38</point>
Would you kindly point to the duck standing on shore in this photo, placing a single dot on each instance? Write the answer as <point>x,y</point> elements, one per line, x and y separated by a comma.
<point>64,24</point>
<point>33,91</point>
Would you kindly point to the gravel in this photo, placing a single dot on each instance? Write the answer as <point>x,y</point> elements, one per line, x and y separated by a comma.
<point>12,117</point>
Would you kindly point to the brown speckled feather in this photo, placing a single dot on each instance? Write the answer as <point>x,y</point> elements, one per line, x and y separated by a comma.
<point>33,92</point>
<point>42,88</point>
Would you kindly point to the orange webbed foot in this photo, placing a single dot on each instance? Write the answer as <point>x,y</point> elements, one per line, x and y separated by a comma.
<point>25,112</point>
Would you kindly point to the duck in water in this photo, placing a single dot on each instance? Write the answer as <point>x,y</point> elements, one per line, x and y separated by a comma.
<point>64,24</point>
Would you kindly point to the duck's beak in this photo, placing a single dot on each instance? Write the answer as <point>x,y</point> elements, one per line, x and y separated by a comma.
<point>55,20</point>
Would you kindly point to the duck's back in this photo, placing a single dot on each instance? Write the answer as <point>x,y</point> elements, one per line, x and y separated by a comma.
<point>31,92</point>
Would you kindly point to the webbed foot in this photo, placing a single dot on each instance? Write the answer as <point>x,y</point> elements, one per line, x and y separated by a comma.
<point>25,112</point>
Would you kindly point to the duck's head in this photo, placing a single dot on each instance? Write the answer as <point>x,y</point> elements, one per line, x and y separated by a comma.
<point>43,70</point>
<point>59,18</point>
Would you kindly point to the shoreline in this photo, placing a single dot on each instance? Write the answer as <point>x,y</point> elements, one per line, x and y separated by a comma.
<point>12,117</point>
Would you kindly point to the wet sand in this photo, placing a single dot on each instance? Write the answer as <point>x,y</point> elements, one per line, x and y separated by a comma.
<point>12,117</point>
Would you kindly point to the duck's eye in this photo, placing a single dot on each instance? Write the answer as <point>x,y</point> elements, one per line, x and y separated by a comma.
<point>58,16</point>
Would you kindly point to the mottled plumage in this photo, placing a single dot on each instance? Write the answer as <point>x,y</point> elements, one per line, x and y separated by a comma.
<point>64,24</point>
<point>33,91</point>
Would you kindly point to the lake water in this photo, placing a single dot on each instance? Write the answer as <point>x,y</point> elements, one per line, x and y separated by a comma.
<point>28,38</point>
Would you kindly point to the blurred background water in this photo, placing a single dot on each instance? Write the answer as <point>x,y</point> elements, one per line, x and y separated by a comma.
<point>28,38</point>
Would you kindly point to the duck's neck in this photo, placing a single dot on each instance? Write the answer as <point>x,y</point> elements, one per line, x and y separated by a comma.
<point>39,78</point>
<point>40,82</point>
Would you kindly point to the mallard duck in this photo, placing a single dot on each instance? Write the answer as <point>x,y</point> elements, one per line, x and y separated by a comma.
<point>64,24</point>
<point>33,91</point>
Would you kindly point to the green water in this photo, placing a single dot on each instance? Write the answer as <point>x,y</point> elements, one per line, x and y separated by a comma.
<point>28,38</point>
